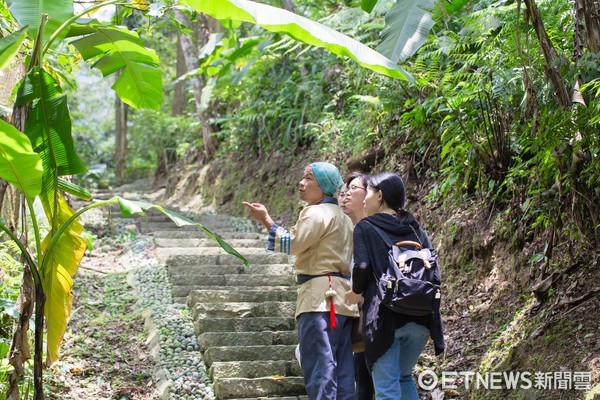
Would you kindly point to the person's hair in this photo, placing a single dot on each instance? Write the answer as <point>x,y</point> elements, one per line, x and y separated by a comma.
<point>362,177</point>
<point>392,189</point>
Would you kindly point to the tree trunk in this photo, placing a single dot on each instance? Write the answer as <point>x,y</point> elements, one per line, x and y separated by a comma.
<point>121,111</point>
<point>3,187</point>
<point>189,49</point>
<point>288,5</point>
<point>19,350</point>
<point>179,102</point>
<point>178,106</point>
<point>591,12</point>
<point>552,71</point>
<point>12,74</point>
<point>38,363</point>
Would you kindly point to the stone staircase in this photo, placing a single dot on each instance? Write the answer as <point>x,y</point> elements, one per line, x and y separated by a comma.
<point>243,316</point>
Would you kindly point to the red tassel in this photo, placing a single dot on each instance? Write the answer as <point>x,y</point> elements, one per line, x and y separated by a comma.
<point>332,319</point>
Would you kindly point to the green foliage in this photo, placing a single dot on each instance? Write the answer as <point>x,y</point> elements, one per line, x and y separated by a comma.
<point>139,81</point>
<point>301,29</point>
<point>9,46</point>
<point>152,134</point>
<point>408,25</point>
<point>483,124</point>
<point>30,14</point>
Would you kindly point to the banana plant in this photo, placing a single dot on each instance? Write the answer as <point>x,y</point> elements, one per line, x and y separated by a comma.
<point>35,157</point>
<point>37,152</point>
<point>57,257</point>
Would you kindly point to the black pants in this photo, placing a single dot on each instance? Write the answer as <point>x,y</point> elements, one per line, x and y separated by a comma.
<point>362,377</point>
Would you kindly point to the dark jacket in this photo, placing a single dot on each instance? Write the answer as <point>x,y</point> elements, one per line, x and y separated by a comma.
<point>371,257</point>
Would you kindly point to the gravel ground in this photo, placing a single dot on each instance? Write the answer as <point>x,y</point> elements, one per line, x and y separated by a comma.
<point>126,339</point>
<point>180,371</point>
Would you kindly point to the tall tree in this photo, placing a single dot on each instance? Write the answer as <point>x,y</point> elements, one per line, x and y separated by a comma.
<point>590,10</point>
<point>190,46</point>
<point>121,112</point>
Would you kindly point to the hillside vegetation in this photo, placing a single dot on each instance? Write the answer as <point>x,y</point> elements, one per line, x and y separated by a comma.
<point>493,121</point>
<point>504,178</point>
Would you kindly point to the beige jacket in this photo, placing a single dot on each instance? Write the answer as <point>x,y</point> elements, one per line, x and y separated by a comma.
<point>321,240</point>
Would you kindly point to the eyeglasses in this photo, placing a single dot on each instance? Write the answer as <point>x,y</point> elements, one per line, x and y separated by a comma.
<point>353,188</point>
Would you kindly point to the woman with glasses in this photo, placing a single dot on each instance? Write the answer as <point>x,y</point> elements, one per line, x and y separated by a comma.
<point>393,341</point>
<point>321,240</point>
<point>352,197</point>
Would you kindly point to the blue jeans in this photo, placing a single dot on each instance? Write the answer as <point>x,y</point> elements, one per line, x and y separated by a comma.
<point>392,372</point>
<point>326,356</point>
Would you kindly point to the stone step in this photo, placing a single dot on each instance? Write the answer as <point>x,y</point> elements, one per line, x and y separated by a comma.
<point>233,280</point>
<point>242,295</point>
<point>244,310</point>
<point>226,259</point>
<point>209,339</point>
<point>231,388</point>
<point>254,369</point>
<point>265,269</point>
<point>154,215</point>
<point>257,324</point>
<point>184,291</point>
<point>166,252</point>
<point>249,353</point>
<point>176,234</point>
<point>170,226</point>
<point>197,242</point>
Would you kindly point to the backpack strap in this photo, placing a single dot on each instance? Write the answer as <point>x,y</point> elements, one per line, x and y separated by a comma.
<point>381,234</point>
<point>387,241</point>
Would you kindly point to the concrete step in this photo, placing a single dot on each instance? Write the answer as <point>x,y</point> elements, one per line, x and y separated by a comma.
<point>154,215</point>
<point>184,291</point>
<point>197,242</point>
<point>254,369</point>
<point>257,324</point>
<point>231,388</point>
<point>226,259</point>
<point>177,234</point>
<point>219,295</point>
<point>210,339</point>
<point>170,226</point>
<point>265,269</point>
<point>244,310</point>
<point>166,252</point>
<point>249,353</point>
<point>233,280</point>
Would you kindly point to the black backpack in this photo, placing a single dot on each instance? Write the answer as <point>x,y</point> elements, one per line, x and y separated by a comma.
<point>411,283</point>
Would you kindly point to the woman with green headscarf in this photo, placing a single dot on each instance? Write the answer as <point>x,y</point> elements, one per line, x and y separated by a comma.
<point>321,240</point>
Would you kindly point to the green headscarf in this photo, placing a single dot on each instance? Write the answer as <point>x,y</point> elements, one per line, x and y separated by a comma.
<point>328,177</point>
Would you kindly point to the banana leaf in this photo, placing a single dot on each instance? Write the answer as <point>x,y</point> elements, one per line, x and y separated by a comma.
<point>407,27</point>
<point>48,127</point>
<point>19,164</point>
<point>9,46</point>
<point>302,29</point>
<point>368,5</point>
<point>118,49</point>
<point>59,266</point>
<point>29,13</point>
